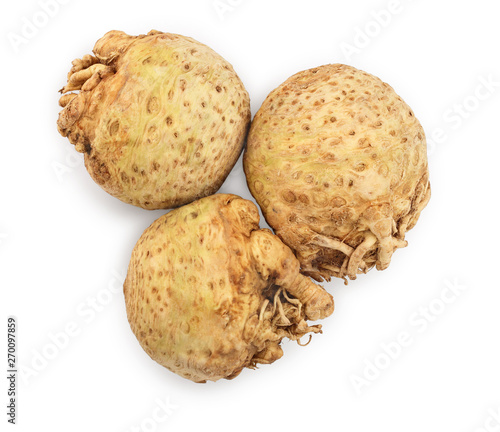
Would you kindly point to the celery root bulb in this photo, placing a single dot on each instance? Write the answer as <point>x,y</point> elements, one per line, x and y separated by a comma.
<point>337,161</point>
<point>160,118</point>
<point>208,293</point>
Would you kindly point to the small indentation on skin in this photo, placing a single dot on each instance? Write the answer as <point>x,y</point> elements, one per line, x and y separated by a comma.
<point>359,167</point>
<point>338,202</point>
<point>335,142</point>
<point>153,105</point>
<point>185,327</point>
<point>304,199</point>
<point>329,157</point>
<point>258,186</point>
<point>113,127</point>
<point>289,196</point>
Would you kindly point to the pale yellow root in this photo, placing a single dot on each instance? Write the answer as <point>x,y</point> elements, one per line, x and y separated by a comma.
<point>386,248</point>
<point>293,301</point>
<point>357,256</point>
<point>66,99</point>
<point>96,78</point>
<point>284,321</point>
<point>403,226</point>
<point>350,266</point>
<point>78,79</point>
<point>323,241</point>
<point>83,63</point>
<point>263,309</point>
<point>355,262</point>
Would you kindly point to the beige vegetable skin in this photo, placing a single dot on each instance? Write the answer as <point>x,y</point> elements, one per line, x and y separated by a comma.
<point>208,293</point>
<point>160,118</point>
<point>337,161</point>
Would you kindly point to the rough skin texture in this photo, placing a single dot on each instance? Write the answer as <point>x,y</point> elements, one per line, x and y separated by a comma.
<point>338,163</point>
<point>161,118</point>
<point>208,293</point>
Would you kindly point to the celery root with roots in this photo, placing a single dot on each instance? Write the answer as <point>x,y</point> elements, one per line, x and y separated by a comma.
<point>208,293</point>
<point>338,163</point>
<point>160,118</point>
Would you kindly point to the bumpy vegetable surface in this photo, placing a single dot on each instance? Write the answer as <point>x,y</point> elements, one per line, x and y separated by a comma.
<point>208,293</point>
<point>337,161</point>
<point>161,118</point>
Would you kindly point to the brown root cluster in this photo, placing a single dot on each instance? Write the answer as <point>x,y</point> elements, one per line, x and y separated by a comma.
<point>382,238</point>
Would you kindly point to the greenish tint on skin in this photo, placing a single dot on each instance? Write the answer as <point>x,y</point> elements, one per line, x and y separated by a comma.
<point>164,125</point>
<point>335,157</point>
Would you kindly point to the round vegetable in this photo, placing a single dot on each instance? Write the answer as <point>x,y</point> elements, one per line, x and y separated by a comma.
<point>208,293</point>
<point>160,118</point>
<point>338,163</point>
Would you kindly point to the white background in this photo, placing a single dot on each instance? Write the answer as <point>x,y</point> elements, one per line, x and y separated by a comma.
<point>65,244</point>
